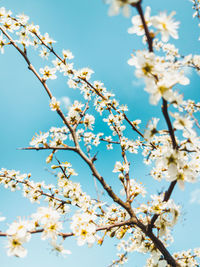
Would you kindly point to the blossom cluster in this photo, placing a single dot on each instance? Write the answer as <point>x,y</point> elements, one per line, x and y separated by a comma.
<point>174,158</point>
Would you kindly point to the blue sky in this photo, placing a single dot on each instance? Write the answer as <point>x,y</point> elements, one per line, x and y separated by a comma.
<point>103,44</point>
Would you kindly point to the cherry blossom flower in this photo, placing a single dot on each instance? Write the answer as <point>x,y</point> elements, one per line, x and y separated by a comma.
<point>48,73</point>
<point>89,121</point>
<point>121,167</point>
<point>15,247</point>
<point>166,25</point>
<point>44,53</point>
<point>67,54</point>
<point>54,104</point>
<point>151,130</point>
<point>39,139</point>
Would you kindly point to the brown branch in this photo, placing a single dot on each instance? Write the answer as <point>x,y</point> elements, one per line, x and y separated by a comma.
<point>105,140</point>
<point>110,142</point>
<point>62,169</point>
<point>123,153</point>
<point>168,193</point>
<point>26,182</point>
<point>65,235</point>
<point>160,246</point>
<point>65,147</point>
<point>169,124</point>
<point>87,82</point>
<point>166,198</point>
<point>136,130</point>
<point>82,114</point>
<point>149,38</point>
<point>164,109</point>
<point>113,107</point>
<point>42,81</point>
<point>119,260</point>
<point>78,150</point>
<point>108,189</point>
<point>175,147</point>
<point>133,126</point>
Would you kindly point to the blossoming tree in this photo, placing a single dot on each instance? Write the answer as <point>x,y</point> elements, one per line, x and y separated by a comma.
<point>141,221</point>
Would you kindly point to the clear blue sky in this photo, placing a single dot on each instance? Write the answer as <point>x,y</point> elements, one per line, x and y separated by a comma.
<point>103,44</point>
